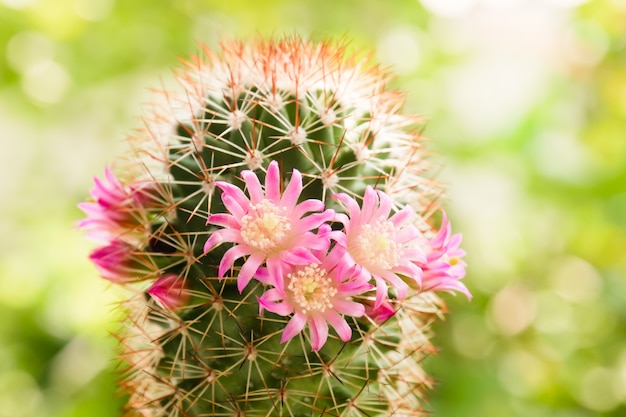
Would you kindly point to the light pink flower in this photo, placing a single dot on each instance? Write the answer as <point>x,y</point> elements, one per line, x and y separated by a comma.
<point>318,294</point>
<point>381,247</point>
<point>110,214</point>
<point>169,291</point>
<point>116,262</point>
<point>444,267</point>
<point>267,227</point>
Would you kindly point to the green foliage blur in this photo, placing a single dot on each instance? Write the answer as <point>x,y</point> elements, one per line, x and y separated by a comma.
<point>526,101</point>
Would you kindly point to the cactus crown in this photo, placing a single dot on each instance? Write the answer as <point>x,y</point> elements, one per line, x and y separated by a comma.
<point>275,231</point>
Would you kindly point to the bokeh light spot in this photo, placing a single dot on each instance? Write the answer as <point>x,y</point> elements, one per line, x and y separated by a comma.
<point>93,10</point>
<point>554,314</point>
<point>17,4</point>
<point>471,337</point>
<point>400,47</point>
<point>521,372</point>
<point>596,389</point>
<point>576,280</point>
<point>513,309</point>
<point>448,8</point>
<point>46,82</point>
<point>19,394</point>
<point>27,48</point>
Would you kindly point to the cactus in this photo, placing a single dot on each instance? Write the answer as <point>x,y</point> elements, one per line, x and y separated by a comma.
<point>275,228</point>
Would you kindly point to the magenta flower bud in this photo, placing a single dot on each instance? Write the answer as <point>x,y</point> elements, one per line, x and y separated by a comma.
<point>116,261</point>
<point>114,208</point>
<point>169,292</point>
<point>381,313</point>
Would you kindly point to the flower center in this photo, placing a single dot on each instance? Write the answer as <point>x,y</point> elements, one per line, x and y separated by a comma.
<point>375,246</point>
<point>264,227</point>
<point>311,289</point>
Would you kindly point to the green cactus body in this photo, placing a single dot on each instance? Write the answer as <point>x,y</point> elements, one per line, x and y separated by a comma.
<point>197,343</point>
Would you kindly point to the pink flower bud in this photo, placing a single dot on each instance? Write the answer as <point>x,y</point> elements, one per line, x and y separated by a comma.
<point>116,262</point>
<point>169,292</point>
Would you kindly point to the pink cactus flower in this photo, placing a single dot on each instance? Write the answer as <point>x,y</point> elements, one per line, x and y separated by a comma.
<point>115,262</point>
<point>267,227</point>
<point>381,247</point>
<point>110,214</point>
<point>169,291</point>
<point>318,294</point>
<point>444,267</point>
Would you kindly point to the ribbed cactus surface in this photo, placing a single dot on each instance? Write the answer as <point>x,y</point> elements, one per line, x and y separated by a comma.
<point>275,229</point>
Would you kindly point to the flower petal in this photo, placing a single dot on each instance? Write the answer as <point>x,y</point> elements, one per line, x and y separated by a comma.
<point>272,183</point>
<point>253,186</point>
<point>248,270</point>
<point>349,308</point>
<point>220,236</point>
<point>292,191</point>
<point>318,330</point>
<point>339,324</point>
<point>230,257</point>
<point>224,220</point>
<point>295,326</point>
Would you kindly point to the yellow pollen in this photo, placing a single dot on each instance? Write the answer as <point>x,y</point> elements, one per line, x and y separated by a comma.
<point>454,260</point>
<point>264,227</point>
<point>311,289</point>
<point>375,246</point>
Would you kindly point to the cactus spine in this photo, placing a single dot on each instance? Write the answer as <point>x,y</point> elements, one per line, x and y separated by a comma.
<point>275,232</point>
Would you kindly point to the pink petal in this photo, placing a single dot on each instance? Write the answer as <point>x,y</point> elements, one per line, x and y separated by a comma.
<point>354,287</point>
<point>233,206</point>
<point>224,220</point>
<point>235,193</point>
<point>455,240</point>
<point>343,219</point>
<point>298,256</point>
<point>409,269</point>
<point>314,242</point>
<point>253,186</point>
<point>276,272</point>
<point>272,183</point>
<point>381,291</point>
<point>414,254</point>
<point>407,234</point>
<point>292,191</point>
<point>307,206</point>
<point>384,207</point>
<point>397,283</point>
<point>248,270</point>
<point>282,309</point>
<point>315,220</point>
<point>402,216</point>
<point>220,236</point>
<point>333,258</point>
<point>349,308</point>
<point>370,201</point>
<point>354,212</point>
<point>318,330</point>
<point>230,257</point>
<point>268,301</point>
<point>339,324</point>
<point>295,326</point>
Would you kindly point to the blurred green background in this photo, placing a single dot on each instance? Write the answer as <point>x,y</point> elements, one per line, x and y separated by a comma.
<point>526,101</point>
